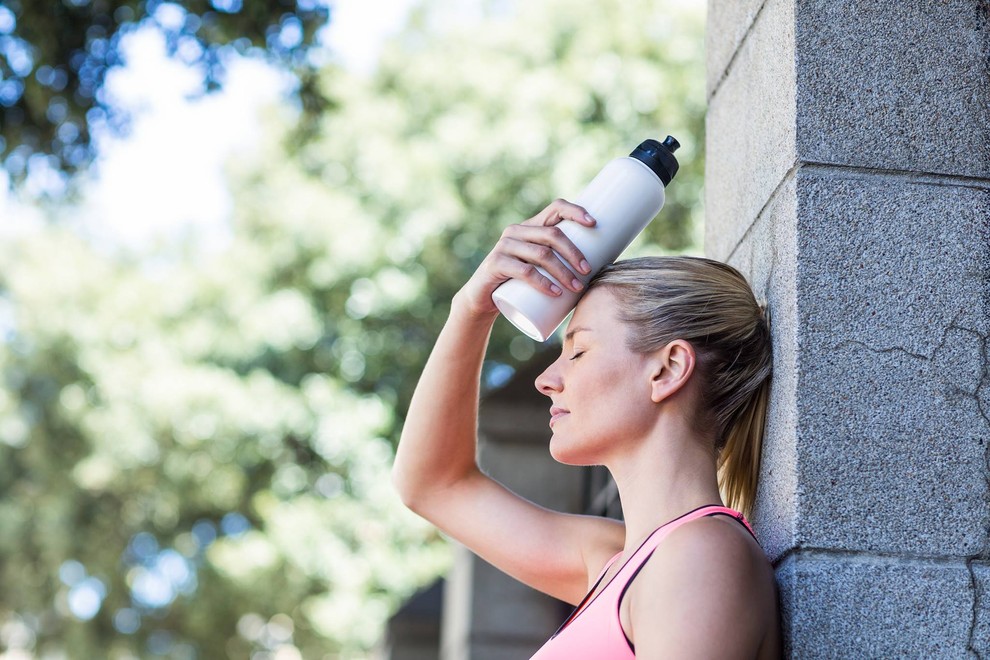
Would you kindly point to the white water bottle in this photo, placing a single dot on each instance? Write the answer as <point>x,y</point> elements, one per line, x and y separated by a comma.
<point>623,198</point>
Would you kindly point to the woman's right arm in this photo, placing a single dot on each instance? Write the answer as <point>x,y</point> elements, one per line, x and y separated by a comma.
<point>436,472</point>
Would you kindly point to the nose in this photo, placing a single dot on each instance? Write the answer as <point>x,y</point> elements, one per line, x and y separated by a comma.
<point>549,381</point>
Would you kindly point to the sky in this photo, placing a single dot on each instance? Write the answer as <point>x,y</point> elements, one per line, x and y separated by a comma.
<point>166,175</point>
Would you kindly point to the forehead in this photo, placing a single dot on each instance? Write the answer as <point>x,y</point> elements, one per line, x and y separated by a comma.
<point>595,311</point>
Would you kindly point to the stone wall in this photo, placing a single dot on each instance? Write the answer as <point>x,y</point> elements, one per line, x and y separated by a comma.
<point>848,175</point>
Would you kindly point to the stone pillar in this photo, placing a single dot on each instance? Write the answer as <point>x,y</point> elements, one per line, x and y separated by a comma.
<point>488,615</point>
<point>848,175</point>
<point>413,632</point>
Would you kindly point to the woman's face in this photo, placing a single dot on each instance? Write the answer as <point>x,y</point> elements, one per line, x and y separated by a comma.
<point>600,390</point>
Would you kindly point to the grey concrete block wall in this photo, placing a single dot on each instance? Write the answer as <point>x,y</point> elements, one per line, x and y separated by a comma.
<point>894,84</point>
<point>876,607</point>
<point>892,317</point>
<point>980,636</point>
<point>849,177</point>
<point>750,126</point>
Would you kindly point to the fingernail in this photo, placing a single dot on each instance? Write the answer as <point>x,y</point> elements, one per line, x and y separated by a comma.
<point>587,216</point>
<point>555,289</point>
<point>576,283</point>
<point>585,266</point>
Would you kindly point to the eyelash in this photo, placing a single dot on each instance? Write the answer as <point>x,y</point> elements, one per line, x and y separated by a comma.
<point>577,355</point>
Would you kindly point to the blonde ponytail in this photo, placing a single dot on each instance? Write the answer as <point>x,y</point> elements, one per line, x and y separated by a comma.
<point>739,460</point>
<point>710,305</point>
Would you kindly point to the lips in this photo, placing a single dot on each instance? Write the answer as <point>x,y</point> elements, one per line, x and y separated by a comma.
<point>556,413</point>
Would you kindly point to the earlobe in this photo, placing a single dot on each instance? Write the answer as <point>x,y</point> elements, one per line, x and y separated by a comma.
<point>674,365</point>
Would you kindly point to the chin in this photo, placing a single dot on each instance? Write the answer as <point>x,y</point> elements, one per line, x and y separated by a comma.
<point>568,454</point>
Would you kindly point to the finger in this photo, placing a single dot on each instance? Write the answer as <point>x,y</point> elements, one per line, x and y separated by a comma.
<point>554,238</point>
<point>564,210</point>
<point>527,272</point>
<point>544,257</point>
<point>561,209</point>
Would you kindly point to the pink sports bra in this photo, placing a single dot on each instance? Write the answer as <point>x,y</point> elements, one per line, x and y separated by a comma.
<point>593,629</point>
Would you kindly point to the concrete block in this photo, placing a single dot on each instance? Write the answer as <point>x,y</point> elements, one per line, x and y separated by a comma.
<point>892,436</point>
<point>455,620</point>
<point>767,257</point>
<point>979,638</point>
<point>858,606</point>
<point>750,136</point>
<point>503,607</point>
<point>894,85</point>
<point>485,607</point>
<point>501,650</point>
<point>868,242</point>
<point>727,23</point>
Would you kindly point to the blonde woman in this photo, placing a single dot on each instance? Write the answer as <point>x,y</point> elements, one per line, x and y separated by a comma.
<point>663,378</point>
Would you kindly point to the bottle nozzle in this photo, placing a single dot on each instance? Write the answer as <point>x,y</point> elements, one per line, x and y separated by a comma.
<point>659,157</point>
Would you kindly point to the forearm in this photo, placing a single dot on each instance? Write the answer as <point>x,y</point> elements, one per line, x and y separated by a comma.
<point>439,437</point>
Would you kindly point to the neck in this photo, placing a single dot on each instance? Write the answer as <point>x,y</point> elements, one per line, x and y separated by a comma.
<point>666,476</point>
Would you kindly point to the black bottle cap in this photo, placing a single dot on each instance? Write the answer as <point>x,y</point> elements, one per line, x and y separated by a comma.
<point>659,157</point>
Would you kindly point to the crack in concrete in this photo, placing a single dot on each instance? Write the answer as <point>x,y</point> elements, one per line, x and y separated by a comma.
<point>984,382</point>
<point>953,325</point>
<point>970,646</point>
<point>882,558</point>
<point>974,585</point>
<point>892,349</point>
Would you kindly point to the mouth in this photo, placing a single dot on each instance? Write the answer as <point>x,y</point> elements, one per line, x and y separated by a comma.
<point>556,413</point>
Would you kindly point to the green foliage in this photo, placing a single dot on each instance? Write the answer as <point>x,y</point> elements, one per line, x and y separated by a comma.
<point>419,170</point>
<point>120,417</point>
<point>55,55</point>
<point>219,425</point>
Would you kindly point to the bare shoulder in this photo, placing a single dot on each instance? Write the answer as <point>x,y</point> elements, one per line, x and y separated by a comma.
<point>707,591</point>
<point>714,544</point>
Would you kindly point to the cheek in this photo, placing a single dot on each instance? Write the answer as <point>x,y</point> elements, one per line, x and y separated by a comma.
<point>620,406</point>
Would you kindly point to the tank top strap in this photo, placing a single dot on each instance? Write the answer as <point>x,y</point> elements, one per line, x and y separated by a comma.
<point>646,549</point>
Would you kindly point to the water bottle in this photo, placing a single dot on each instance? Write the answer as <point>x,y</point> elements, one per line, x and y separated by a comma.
<point>623,198</point>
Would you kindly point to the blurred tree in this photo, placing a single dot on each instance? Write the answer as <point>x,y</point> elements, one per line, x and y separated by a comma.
<point>194,451</point>
<point>55,55</point>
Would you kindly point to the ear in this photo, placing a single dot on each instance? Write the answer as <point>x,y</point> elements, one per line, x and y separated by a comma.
<point>672,367</point>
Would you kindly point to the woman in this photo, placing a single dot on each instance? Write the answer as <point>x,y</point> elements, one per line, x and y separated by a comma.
<point>663,379</point>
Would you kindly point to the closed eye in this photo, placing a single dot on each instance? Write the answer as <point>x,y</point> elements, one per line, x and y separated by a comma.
<point>577,355</point>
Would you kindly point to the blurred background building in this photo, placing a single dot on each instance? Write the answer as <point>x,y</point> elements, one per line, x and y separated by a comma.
<point>478,611</point>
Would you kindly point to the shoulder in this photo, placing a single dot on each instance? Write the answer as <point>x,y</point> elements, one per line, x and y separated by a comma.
<point>708,583</point>
<point>711,544</point>
<point>713,557</point>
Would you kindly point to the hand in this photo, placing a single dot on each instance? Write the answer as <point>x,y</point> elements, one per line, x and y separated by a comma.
<point>523,247</point>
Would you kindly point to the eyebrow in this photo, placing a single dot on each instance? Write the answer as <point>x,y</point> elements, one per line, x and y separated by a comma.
<point>573,332</point>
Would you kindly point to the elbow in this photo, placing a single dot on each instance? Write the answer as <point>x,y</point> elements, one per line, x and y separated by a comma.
<point>423,494</point>
<point>403,485</point>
